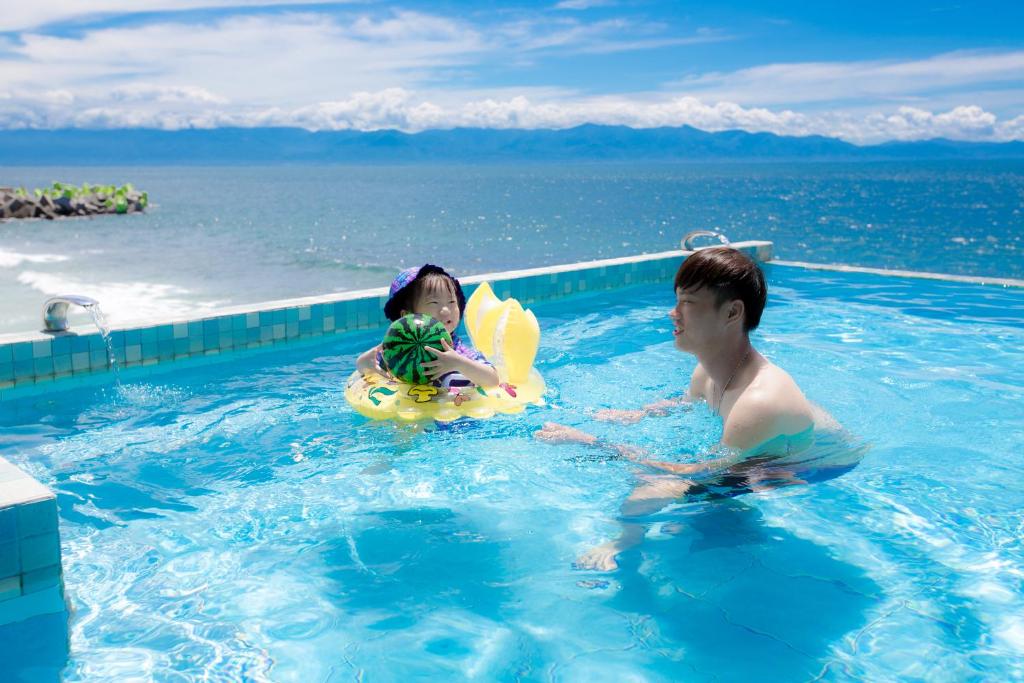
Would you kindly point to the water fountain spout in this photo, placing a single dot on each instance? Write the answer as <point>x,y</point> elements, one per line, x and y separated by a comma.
<point>687,242</point>
<point>55,310</point>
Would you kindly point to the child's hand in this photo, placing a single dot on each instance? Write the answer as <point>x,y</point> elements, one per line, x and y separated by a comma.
<point>367,362</point>
<point>446,360</point>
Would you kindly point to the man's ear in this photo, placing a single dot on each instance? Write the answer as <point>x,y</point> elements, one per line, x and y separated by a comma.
<point>737,310</point>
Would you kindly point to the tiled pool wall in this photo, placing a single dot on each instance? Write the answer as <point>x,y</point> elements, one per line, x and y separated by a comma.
<point>35,362</point>
<point>31,579</point>
<point>30,568</point>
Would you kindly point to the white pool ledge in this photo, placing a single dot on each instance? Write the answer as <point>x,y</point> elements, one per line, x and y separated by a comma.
<point>31,578</point>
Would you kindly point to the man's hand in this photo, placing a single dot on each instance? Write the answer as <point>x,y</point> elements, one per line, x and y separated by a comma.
<point>626,417</point>
<point>559,433</point>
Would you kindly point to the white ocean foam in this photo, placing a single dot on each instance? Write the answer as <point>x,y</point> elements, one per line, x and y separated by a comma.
<point>126,301</point>
<point>12,259</point>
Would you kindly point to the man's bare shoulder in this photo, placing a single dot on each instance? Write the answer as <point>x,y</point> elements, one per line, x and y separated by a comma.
<point>698,384</point>
<point>774,391</point>
<point>771,405</point>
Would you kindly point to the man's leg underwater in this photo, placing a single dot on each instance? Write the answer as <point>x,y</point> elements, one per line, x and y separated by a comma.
<point>657,492</point>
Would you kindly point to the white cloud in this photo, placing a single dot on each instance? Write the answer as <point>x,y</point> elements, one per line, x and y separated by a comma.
<point>397,108</point>
<point>571,36</point>
<point>409,26</point>
<point>413,71</point>
<point>1013,129</point>
<point>906,123</point>
<point>144,92</point>
<point>258,60</point>
<point>290,60</point>
<point>27,14</point>
<point>392,108</point>
<point>583,4</point>
<point>810,82</point>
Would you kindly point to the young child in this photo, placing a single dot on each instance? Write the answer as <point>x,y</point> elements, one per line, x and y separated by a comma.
<point>429,290</point>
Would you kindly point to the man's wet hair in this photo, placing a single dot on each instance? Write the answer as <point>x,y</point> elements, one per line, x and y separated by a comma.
<point>730,274</point>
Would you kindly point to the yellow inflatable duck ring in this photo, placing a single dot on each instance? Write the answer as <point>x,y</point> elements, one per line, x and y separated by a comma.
<point>506,333</point>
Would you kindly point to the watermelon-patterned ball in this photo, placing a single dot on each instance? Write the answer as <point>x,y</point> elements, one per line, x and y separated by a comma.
<point>404,347</point>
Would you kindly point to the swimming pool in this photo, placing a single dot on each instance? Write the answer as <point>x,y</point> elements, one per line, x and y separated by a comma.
<point>239,521</point>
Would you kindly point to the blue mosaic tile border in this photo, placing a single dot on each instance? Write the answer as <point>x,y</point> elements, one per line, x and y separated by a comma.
<point>44,359</point>
<point>37,360</point>
<point>31,578</point>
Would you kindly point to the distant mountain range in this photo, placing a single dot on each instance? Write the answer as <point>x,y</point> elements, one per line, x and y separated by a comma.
<point>583,143</point>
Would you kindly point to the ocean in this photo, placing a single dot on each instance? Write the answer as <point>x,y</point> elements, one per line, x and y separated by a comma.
<point>217,236</point>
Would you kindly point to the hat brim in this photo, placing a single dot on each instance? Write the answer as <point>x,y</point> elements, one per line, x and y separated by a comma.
<point>395,304</point>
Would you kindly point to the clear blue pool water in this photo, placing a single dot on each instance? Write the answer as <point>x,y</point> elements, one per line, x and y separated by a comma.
<point>238,521</point>
<point>237,235</point>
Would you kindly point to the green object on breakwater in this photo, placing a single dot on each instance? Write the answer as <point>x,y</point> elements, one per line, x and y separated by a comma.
<point>65,199</point>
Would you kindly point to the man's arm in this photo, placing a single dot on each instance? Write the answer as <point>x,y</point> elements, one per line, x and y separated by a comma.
<point>655,409</point>
<point>688,469</point>
<point>698,381</point>
<point>774,408</point>
<point>558,433</point>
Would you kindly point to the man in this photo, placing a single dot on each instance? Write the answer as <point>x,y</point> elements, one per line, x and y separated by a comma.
<point>720,294</point>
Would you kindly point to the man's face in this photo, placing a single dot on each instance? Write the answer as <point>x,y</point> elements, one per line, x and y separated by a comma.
<point>697,319</point>
<point>438,302</point>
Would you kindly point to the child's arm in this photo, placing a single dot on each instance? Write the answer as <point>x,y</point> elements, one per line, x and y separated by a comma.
<point>449,360</point>
<point>367,362</point>
<point>478,373</point>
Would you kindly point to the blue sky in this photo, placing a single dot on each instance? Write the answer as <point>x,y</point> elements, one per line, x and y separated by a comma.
<point>865,72</point>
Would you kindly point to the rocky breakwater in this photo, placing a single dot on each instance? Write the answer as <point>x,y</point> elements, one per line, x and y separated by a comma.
<point>64,200</point>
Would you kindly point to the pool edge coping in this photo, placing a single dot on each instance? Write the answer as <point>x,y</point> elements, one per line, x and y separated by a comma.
<point>913,274</point>
<point>32,582</point>
<point>37,362</point>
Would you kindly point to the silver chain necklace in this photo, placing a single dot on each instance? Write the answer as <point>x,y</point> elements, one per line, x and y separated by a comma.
<point>718,410</point>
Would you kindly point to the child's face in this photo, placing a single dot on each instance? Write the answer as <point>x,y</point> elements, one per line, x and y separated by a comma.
<point>437,299</point>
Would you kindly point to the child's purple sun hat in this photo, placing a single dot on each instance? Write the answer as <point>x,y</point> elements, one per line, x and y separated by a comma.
<point>399,289</point>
